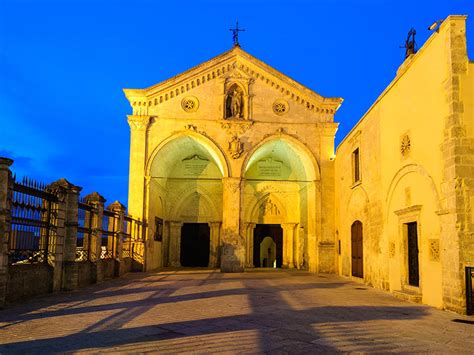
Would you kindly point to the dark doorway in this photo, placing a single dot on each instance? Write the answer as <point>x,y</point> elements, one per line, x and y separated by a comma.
<point>195,243</point>
<point>357,249</point>
<point>413,270</point>
<point>273,231</point>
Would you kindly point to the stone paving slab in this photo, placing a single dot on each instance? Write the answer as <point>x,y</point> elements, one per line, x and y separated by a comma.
<point>205,311</point>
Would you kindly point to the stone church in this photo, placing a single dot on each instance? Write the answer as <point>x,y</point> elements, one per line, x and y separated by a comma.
<point>233,165</point>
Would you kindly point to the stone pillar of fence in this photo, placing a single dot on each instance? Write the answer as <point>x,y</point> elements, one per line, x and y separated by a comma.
<point>5,223</point>
<point>63,245</point>
<point>119,211</point>
<point>97,202</point>
<point>68,230</point>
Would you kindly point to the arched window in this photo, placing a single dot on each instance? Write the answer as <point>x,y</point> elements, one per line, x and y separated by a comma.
<point>357,249</point>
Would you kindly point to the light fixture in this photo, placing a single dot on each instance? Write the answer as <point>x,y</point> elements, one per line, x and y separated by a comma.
<point>435,26</point>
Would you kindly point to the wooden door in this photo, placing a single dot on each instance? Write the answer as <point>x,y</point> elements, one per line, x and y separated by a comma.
<point>357,249</point>
<point>413,266</point>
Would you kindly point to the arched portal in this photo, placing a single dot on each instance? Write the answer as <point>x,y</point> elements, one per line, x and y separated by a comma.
<point>185,171</point>
<point>280,177</point>
<point>357,249</point>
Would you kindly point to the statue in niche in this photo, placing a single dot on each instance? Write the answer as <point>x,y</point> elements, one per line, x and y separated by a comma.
<point>234,103</point>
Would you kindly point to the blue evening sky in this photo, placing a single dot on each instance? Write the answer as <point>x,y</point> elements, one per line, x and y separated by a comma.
<point>63,65</point>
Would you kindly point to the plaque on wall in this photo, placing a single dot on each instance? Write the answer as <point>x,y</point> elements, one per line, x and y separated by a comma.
<point>270,168</point>
<point>194,165</point>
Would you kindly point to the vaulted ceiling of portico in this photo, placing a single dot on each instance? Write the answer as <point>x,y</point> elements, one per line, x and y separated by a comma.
<point>185,157</point>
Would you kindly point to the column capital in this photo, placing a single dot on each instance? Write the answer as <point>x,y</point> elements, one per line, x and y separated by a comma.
<point>6,161</point>
<point>232,183</point>
<point>138,123</point>
<point>176,224</point>
<point>63,185</point>
<point>289,225</point>
<point>214,224</point>
<point>95,198</point>
<point>117,207</point>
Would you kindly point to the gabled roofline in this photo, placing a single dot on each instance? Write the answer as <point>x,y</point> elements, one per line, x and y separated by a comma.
<point>229,56</point>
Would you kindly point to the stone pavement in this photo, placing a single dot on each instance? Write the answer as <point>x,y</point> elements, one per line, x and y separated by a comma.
<point>205,311</point>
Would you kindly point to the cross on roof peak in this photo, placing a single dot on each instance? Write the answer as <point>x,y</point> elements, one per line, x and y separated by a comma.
<point>235,33</point>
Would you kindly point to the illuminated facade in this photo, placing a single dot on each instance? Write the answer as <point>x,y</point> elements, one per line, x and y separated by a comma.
<point>232,165</point>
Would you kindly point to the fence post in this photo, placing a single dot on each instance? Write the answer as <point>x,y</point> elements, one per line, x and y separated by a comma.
<point>69,210</point>
<point>97,202</point>
<point>119,210</point>
<point>64,191</point>
<point>5,223</point>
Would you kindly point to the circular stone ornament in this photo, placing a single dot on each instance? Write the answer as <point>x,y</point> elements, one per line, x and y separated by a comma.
<point>190,104</point>
<point>280,107</point>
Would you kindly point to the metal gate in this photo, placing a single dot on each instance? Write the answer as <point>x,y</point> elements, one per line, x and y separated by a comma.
<point>469,290</point>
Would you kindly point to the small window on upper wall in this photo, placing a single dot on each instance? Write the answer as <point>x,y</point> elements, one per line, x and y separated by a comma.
<point>355,166</point>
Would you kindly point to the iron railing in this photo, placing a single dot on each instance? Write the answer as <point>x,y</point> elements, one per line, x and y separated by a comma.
<point>33,227</point>
<point>109,235</point>
<point>84,231</point>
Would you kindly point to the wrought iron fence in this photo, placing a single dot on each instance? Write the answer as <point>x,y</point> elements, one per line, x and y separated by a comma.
<point>108,244</point>
<point>133,230</point>
<point>34,220</point>
<point>470,290</point>
<point>84,231</point>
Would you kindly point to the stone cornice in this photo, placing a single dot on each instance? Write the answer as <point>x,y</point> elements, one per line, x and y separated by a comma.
<point>221,66</point>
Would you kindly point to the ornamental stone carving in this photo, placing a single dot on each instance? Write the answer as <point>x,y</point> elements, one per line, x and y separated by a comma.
<point>138,123</point>
<point>190,104</point>
<point>236,148</point>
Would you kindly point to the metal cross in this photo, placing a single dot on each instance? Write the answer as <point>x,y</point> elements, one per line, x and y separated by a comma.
<point>235,33</point>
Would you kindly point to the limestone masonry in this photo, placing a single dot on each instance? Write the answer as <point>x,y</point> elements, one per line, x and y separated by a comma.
<point>232,164</point>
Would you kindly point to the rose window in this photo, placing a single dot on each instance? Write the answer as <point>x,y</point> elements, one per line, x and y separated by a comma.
<point>190,104</point>
<point>280,107</point>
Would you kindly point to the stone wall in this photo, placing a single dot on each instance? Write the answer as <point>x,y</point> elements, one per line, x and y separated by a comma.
<point>416,154</point>
<point>27,281</point>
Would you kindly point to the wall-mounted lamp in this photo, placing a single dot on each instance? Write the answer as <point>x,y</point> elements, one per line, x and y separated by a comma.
<point>435,26</point>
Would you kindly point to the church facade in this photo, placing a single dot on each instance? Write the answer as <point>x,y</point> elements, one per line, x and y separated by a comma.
<point>233,165</point>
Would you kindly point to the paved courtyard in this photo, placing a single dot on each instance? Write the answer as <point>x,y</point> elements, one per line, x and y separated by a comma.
<point>205,311</point>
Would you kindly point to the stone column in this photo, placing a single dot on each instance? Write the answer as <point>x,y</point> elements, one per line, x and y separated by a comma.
<point>215,231</point>
<point>288,239</point>
<point>62,244</point>
<point>298,238</point>
<point>68,195</point>
<point>175,243</point>
<point>249,227</point>
<point>313,227</point>
<point>119,236</point>
<point>6,189</point>
<point>136,183</point>
<point>232,242</point>
<point>97,202</point>
<point>165,246</point>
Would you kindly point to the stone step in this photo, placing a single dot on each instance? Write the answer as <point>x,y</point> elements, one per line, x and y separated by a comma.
<point>408,295</point>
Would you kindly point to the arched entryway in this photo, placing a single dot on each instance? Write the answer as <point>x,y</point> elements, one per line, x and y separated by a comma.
<point>186,173</point>
<point>357,249</point>
<point>280,191</point>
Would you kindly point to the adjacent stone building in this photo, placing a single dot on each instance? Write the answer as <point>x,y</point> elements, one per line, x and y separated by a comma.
<point>405,178</point>
<point>232,165</point>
